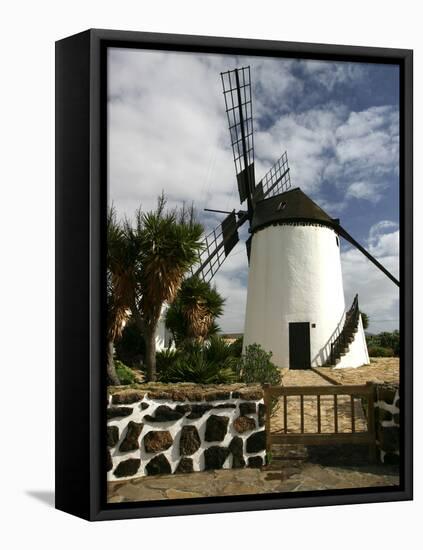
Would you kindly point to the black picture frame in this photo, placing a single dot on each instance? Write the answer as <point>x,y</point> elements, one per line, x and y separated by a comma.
<point>81,199</point>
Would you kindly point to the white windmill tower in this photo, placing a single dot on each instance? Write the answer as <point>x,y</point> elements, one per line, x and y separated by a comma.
<point>295,300</point>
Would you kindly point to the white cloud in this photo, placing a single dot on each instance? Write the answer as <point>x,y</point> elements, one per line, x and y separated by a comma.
<point>168,135</point>
<point>330,74</point>
<point>352,151</point>
<point>363,190</point>
<point>378,296</point>
<point>168,131</point>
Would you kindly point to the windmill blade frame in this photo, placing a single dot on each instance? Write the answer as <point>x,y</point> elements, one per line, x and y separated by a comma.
<point>237,93</point>
<point>276,181</point>
<point>217,246</point>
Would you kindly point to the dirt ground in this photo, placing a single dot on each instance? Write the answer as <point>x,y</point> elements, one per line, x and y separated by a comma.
<point>381,369</point>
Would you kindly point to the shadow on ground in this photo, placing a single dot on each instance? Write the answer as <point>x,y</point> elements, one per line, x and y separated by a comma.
<point>46,497</point>
<point>289,460</point>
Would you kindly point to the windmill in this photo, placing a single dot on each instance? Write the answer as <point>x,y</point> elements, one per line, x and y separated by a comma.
<point>295,298</point>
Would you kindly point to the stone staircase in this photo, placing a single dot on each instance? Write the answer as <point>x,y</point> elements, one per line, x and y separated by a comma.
<point>340,346</point>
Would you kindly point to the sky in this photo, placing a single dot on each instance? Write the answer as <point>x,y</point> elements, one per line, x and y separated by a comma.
<point>338,122</point>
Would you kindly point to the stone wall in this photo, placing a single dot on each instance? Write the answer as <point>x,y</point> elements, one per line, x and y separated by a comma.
<point>169,429</point>
<point>387,416</point>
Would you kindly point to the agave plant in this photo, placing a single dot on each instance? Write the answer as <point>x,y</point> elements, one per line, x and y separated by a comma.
<point>208,362</point>
<point>196,368</point>
<point>218,351</point>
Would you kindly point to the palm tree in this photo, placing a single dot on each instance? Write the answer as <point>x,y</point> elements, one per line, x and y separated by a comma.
<point>120,287</point>
<point>168,243</point>
<point>192,315</point>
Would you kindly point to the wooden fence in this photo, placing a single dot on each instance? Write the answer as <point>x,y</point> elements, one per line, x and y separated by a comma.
<point>300,437</point>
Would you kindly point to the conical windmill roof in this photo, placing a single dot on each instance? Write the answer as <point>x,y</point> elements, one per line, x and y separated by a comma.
<point>289,207</point>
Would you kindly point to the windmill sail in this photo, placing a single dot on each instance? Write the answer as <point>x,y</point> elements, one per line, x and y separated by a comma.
<point>239,110</point>
<point>277,180</point>
<point>216,247</point>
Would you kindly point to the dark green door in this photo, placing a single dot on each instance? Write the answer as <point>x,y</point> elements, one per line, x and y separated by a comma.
<point>299,346</point>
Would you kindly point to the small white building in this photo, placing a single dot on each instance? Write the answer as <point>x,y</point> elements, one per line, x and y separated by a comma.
<point>295,300</point>
<point>163,335</point>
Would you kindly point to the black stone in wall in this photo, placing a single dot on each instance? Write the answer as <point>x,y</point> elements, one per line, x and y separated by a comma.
<point>130,442</point>
<point>157,441</point>
<point>216,427</point>
<point>247,407</point>
<point>118,412</point>
<point>158,465</point>
<point>236,448</point>
<point>261,414</point>
<point>386,393</point>
<point>185,466</point>
<point>214,457</point>
<point>112,436</point>
<point>189,441</point>
<point>197,411</point>
<point>256,442</point>
<point>127,467</point>
<point>109,461</point>
<point>389,438</point>
<point>163,413</point>
<point>255,462</point>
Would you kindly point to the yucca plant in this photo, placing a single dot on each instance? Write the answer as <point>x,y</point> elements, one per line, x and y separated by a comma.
<point>168,243</point>
<point>120,287</point>
<point>193,313</point>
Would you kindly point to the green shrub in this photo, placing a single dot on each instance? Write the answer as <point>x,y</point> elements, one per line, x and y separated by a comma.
<point>199,363</point>
<point>379,351</point>
<point>387,340</point>
<point>217,350</point>
<point>125,374</point>
<point>256,366</point>
<point>236,347</point>
<point>195,368</point>
<point>164,360</point>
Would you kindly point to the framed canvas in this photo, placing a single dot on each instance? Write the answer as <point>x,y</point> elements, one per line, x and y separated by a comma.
<point>233,274</point>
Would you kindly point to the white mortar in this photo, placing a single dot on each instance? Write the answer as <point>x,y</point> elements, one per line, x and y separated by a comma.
<point>175,427</point>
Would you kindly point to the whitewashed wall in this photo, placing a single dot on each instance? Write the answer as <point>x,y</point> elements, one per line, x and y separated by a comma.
<point>357,354</point>
<point>145,407</point>
<point>295,276</point>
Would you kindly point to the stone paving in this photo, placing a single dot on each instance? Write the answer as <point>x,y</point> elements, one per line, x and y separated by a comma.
<point>295,469</point>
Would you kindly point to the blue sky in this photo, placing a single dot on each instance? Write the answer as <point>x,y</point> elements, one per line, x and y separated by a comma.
<point>339,123</point>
